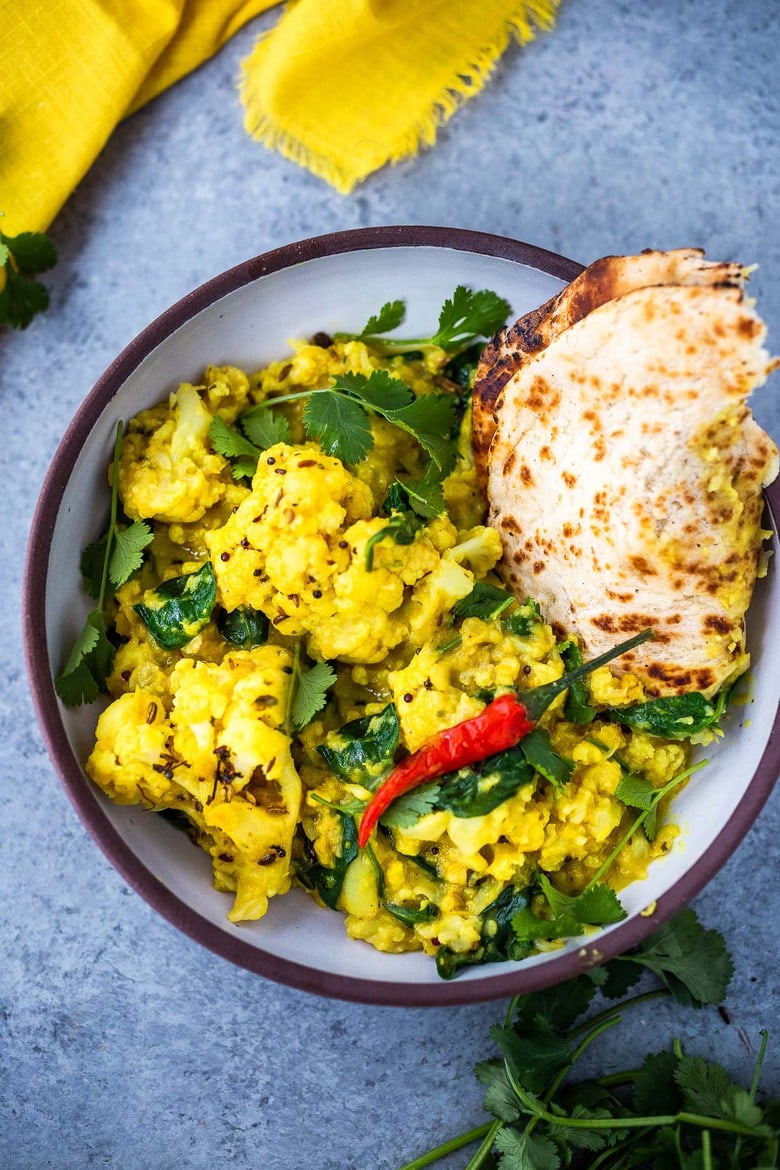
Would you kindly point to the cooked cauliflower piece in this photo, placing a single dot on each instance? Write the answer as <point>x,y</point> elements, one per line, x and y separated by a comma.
<point>167,470</point>
<point>219,755</point>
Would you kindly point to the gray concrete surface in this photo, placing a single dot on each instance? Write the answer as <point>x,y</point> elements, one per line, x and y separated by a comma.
<point>122,1043</point>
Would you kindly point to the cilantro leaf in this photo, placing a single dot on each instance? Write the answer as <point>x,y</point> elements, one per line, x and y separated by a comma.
<point>538,751</point>
<point>429,419</point>
<point>127,555</point>
<point>692,962</point>
<point>614,978</point>
<point>500,1098</point>
<point>389,317</point>
<point>340,424</point>
<point>116,556</point>
<point>558,1006</point>
<point>88,664</point>
<point>597,905</point>
<point>409,808</point>
<point>467,315</point>
<point>464,317</point>
<point>381,390</point>
<point>263,428</point>
<point>525,1151</point>
<point>708,1089</point>
<point>33,252</point>
<point>21,257</point>
<point>21,299</point>
<point>636,791</point>
<point>655,1089</point>
<point>532,1057</point>
<point>310,693</point>
<point>425,494</point>
<point>229,443</point>
<point>485,601</point>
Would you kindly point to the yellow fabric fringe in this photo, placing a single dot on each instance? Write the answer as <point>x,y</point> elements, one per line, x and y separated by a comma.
<point>344,86</point>
<point>339,86</point>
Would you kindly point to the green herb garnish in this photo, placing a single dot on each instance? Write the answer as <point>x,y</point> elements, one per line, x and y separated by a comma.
<point>22,257</point>
<point>308,691</point>
<point>464,317</point>
<point>672,717</point>
<point>674,1110</point>
<point>113,559</point>
<point>259,430</point>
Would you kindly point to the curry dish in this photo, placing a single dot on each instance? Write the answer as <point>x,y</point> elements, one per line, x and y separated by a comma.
<point>299,564</point>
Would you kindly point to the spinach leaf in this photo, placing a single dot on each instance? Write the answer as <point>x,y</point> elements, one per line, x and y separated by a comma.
<point>327,881</point>
<point>412,915</point>
<point>538,752</point>
<point>497,939</point>
<point>178,609</point>
<point>485,601</point>
<point>402,528</point>
<point>477,790</point>
<point>361,751</point>
<point>577,708</point>
<point>244,627</point>
<point>673,717</point>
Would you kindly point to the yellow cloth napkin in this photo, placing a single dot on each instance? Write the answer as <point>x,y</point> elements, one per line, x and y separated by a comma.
<point>344,86</point>
<point>341,86</point>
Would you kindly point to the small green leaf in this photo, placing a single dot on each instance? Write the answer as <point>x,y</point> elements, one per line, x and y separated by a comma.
<point>407,810</point>
<point>425,494</point>
<point>179,608</point>
<point>88,664</point>
<point>340,424</point>
<point>476,790</point>
<point>655,1088</point>
<point>21,299</point>
<point>525,1151</point>
<point>500,1098</point>
<point>128,552</point>
<point>485,601</point>
<point>229,443</point>
<point>380,390</point>
<point>362,750</point>
<point>636,791</point>
<point>245,627</point>
<point>311,693</point>
<point>263,428</point>
<point>329,880</point>
<point>577,708</point>
<point>672,717</point>
<point>33,252</point>
<point>468,314</point>
<point>538,751</point>
<point>533,1057</point>
<point>693,962</point>
<point>389,317</point>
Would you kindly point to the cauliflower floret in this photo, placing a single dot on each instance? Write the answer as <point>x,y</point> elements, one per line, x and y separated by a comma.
<point>167,471</point>
<point>222,758</point>
<point>480,549</point>
<point>296,549</point>
<point>226,392</point>
<point>130,743</point>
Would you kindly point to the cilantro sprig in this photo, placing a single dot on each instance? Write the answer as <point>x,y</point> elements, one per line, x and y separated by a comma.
<point>112,559</point>
<point>675,1109</point>
<point>258,429</point>
<point>465,316</point>
<point>308,691</point>
<point>23,257</point>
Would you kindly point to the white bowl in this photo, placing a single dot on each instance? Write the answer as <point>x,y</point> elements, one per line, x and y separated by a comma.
<point>245,317</point>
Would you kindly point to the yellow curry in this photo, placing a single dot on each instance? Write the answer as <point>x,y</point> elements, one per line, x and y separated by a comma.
<point>301,562</point>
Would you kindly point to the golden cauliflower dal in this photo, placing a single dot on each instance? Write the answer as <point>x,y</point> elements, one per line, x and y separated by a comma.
<point>248,583</point>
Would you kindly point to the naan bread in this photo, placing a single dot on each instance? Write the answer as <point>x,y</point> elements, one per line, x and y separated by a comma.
<point>623,467</point>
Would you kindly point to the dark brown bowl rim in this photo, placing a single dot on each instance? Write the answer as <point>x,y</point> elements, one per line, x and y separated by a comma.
<point>520,979</point>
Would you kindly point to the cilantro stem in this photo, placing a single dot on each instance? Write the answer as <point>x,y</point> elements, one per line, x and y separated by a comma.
<point>640,820</point>
<point>486,1146</point>
<point>612,1012</point>
<point>449,1147</point>
<point>706,1150</point>
<point>111,535</point>
<point>294,679</point>
<point>759,1063</point>
<point>619,1078</point>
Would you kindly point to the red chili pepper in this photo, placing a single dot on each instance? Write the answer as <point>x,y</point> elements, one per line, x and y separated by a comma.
<point>502,724</point>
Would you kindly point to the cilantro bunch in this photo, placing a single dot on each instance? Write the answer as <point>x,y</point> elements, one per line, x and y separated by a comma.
<point>674,1111</point>
<point>23,257</point>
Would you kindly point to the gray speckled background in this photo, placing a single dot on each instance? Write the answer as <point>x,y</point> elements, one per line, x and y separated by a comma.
<point>122,1043</point>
